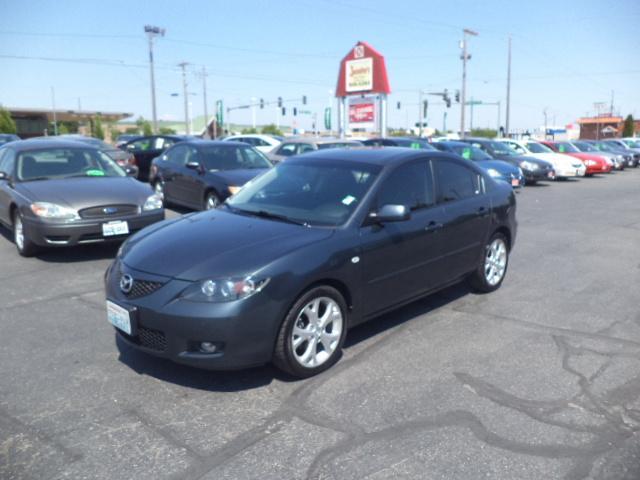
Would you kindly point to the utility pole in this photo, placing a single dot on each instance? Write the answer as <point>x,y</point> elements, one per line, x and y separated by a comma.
<point>53,110</point>
<point>253,112</point>
<point>506,127</point>
<point>183,65</point>
<point>153,32</point>
<point>204,95</point>
<point>545,122</point>
<point>463,92</point>
<point>471,104</point>
<point>420,113</point>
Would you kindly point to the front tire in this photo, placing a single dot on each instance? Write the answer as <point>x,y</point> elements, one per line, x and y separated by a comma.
<point>312,334</point>
<point>211,201</point>
<point>24,245</point>
<point>491,272</point>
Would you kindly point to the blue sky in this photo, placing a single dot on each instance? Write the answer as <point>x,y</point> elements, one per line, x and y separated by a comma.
<point>566,54</point>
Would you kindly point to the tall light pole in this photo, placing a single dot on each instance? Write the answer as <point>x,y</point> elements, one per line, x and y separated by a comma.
<point>465,56</point>
<point>53,110</point>
<point>204,95</point>
<point>506,125</point>
<point>187,128</point>
<point>153,32</point>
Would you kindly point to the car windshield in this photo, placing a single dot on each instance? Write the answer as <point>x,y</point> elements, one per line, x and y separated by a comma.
<point>604,147</point>
<point>233,158</point>
<point>585,147</point>
<point>310,193</point>
<point>413,143</point>
<point>323,146</point>
<point>55,163</point>
<point>536,147</point>
<point>632,143</point>
<point>566,147</point>
<point>501,148</point>
<point>471,153</point>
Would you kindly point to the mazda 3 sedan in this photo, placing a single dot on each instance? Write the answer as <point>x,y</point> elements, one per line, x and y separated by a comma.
<point>309,249</point>
<point>60,193</point>
<point>200,174</point>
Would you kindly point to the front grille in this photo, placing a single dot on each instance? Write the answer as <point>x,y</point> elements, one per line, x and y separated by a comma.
<point>143,288</point>
<point>152,339</point>
<point>109,211</point>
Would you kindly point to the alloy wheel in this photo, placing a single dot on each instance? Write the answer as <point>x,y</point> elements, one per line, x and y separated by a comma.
<point>18,233</point>
<point>316,332</point>
<point>212,202</point>
<point>495,263</point>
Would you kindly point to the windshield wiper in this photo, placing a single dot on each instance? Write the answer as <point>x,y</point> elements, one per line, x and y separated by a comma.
<point>266,214</point>
<point>35,179</point>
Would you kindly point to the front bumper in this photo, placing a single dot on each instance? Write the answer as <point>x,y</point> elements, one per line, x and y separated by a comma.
<point>164,325</point>
<point>56,234</point>
<point>570,172</point>
<point>598,168</point>
<point>539,174</point>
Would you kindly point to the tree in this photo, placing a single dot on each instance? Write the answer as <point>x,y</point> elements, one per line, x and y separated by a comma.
<point>132,131</point>
<point>629,126</point>
<point>247,131</point>
<point>7,125</point>
<point>63,129</point>
<point>484,132</point>
<point>166,131</point>
<point>271,129</point>
<point>146,128</point>
<point>97,130</point>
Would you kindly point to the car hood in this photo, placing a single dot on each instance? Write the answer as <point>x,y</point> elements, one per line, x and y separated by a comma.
<point>84,192</point>
<point>215,243</point>
<point>500,166</point>
<point>587,156</point>
<point>557,159</point>
<point>237,177</point>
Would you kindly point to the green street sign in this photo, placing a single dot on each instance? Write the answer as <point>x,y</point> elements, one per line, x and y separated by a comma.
<point>219,112</point>
<point>327,118</point>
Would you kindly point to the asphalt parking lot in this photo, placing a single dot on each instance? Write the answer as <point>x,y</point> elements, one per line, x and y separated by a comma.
<point>539,380</point>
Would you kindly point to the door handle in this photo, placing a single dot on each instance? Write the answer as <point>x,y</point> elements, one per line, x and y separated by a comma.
<point>432,226</point>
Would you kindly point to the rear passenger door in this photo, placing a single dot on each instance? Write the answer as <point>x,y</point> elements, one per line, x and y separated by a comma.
<point>7,164</point>
<point>467,209</point>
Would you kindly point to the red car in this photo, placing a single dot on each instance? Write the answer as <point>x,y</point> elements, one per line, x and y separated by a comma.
<point>594,163</point>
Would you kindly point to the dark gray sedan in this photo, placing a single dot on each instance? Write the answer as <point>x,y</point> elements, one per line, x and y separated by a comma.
<point>60,193</point>
<point>312,247</point>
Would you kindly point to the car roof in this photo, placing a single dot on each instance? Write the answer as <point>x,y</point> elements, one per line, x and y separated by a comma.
<point>44,144</point>
<point>453,143</point>
<point>320,140</point>
<point>199,142</point>
<point>368,155</point>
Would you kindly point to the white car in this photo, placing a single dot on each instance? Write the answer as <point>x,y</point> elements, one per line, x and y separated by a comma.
<point>264,143</point>
<point>564,165</point>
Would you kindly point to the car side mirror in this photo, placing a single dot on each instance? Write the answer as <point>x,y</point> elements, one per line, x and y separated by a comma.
<point>391,213</point>
<point>193,165</point>
<point>4,176</point>
<point>131,171</point>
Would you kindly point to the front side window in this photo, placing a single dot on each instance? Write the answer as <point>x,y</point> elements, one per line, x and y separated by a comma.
<point>176,155</point>
<point>304,148</point>
<point>287,149</point>
<point>55,163</point>
<point>455,182</point>
<point>222,157</point>
<point>323,194</point>
<point>409,185</point>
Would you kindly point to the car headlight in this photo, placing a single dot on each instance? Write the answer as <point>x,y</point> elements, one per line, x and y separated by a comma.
<point>154,202</point>
<point>493,172</point>
<point>528,165</point>
<point>52,210</point>
<point>224,289</point>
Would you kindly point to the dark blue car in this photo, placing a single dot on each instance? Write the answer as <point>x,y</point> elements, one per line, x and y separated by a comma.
<point>497,169</point>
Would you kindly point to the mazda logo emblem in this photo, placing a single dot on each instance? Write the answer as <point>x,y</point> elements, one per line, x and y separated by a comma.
<point>126,283</point>
<point>109,210</point>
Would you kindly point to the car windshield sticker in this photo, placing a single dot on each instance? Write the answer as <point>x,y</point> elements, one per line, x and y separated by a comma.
<point>466,153</point>
<point>95,173</point>
<point>415,145</point>
<point>348,200</point>
<point>561,148</point>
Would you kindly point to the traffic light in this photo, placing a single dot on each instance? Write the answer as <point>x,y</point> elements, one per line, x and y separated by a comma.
<point>262,103</point>
<point>446,98</point>
<point>458,96</point>
<point>304,99</point>
<point>425,107</point>
<point>295,111</point>
<point>284,111</point>
<point>280,102</point>
<point>398,105</point>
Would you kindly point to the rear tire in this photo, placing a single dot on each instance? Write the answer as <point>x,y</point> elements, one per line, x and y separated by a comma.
<point>211,201</point>
<point>24,245</point>
<point>491,272</point>
<point>312,334</point>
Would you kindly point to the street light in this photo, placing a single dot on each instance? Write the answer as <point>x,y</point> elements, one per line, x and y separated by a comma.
<point>153,32</point>
<point>465,56</point>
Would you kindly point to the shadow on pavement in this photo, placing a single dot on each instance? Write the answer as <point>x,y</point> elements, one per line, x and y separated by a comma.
<point>247,379</point>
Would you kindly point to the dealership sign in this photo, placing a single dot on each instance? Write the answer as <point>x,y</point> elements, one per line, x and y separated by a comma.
<point>362,112</point>
<point>362,70</point>
<point>359,75</point>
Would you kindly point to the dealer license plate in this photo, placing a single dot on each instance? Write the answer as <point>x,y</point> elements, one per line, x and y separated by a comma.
<point>515,182</point>
<point>115,228</point>
<point>119,317</point>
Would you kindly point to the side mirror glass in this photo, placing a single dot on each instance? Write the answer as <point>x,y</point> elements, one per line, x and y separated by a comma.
<point>391,213</point>
<point>131,171</point>
<point>193,165</point>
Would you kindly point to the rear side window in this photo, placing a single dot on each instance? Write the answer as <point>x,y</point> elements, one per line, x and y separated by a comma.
<point>287,149</point>
<point>176,155</point>
<point>410,185</point>
<point>455,182</point>
<point>304,148</point>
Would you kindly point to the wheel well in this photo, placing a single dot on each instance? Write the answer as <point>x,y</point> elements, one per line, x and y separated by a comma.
<point>12,211</point>
<point>337,284</point>
<point>507,233</point>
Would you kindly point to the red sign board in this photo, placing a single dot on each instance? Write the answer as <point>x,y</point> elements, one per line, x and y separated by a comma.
<point>361,113</point>
<point>362,71</point>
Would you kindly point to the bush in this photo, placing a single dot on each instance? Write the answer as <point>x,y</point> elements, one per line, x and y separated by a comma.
<point>484,132</point>
<point>7,125</point>
<point>271,129</point>
<point>246,131</point>
<point>166,131</point>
